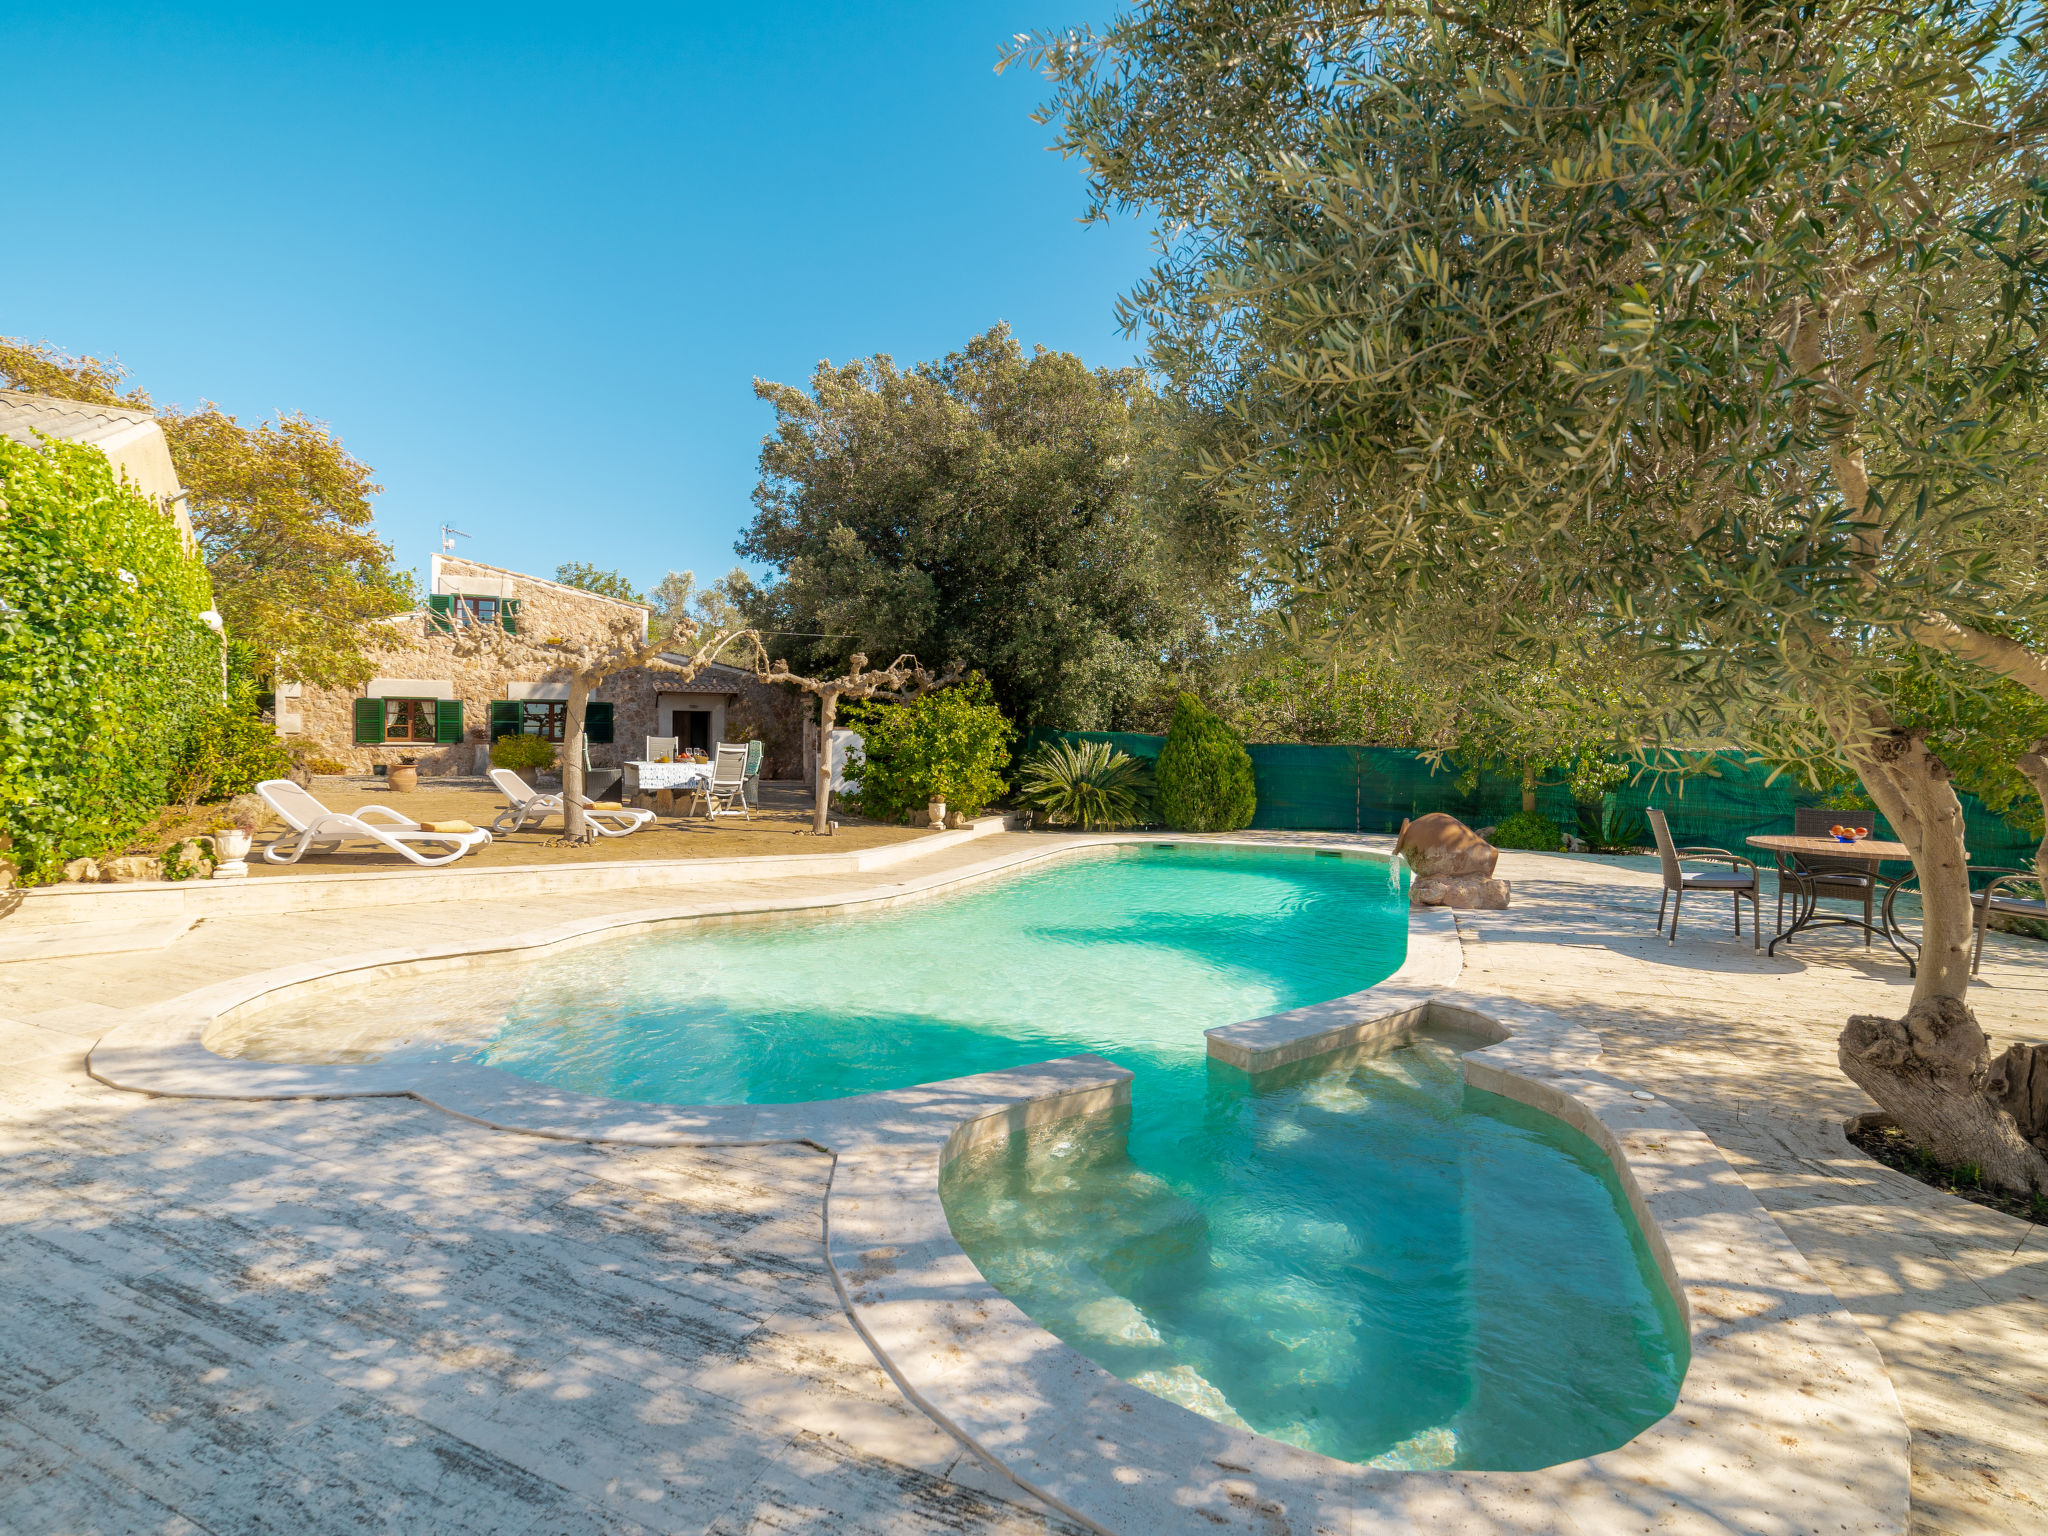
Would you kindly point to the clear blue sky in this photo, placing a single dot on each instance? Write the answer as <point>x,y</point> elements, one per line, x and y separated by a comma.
<point>527,261</point>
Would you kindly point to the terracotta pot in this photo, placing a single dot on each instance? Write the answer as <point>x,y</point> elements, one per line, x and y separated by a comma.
<point>403,778</point>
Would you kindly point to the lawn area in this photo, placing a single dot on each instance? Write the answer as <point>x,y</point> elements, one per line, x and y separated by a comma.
<point>781,824</point>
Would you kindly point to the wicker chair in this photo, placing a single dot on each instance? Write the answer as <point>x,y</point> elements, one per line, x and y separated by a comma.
<point>1838,879</point>
<point>1738,881</point>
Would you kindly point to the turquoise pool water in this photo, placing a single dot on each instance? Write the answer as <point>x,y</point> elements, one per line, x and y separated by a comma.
<point>1362,1256</point>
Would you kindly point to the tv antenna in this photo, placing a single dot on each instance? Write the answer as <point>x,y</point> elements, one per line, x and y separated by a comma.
<point>448,538</point>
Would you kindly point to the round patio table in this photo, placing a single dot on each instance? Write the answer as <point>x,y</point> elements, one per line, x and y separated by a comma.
<point>1806,912</point>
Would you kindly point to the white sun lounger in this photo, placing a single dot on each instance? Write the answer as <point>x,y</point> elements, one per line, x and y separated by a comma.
<point>318,827</point>
<point>525,802</point>
<point>530,805</point>
<point>613,821</point>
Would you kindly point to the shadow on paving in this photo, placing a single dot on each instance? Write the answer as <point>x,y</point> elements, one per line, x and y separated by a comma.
<point>368,1315</point>
<point>1745,1046</point>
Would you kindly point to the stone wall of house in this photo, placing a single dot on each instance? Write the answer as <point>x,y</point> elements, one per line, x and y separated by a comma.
<point>775,714</point>
<point>321,721</point>
<point>325,717</point>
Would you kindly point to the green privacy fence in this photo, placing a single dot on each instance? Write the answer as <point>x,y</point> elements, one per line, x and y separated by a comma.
<point>1375,789</point>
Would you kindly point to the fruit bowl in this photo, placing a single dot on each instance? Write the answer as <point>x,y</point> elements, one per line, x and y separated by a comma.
<point>1848,834</point>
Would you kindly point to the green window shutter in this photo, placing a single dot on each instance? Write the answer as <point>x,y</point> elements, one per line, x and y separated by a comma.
<point>597,724</point>
<point>441,613</point>
<point>369,722</point>
<point>507,718</point>
<point>508,615</point>
<point>447,720</point>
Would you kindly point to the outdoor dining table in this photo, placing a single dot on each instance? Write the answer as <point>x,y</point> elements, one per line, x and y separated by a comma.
<point>646,778</point>
<point>1806,913</point>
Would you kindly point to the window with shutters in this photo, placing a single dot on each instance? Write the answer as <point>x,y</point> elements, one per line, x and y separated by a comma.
<point>410,720</point>
<point>476,610</point>
<point>545,718</point>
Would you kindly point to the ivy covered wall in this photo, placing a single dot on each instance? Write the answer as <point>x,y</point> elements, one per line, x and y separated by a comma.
<point>105,664</point>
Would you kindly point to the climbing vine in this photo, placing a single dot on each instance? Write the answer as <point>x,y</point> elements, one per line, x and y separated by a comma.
<point>105,663</point>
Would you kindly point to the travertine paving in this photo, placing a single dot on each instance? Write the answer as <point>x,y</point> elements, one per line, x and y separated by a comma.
<point>371,1315</point>
<point>1954,1296</point>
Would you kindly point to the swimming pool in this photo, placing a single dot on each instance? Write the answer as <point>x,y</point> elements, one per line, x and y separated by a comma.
<point>1361,1255</point>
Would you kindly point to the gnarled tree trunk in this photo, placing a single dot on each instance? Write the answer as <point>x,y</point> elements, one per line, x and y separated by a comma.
<point>1931,1071</point>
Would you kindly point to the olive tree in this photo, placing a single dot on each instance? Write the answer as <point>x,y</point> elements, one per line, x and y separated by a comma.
<point>1718,325</point>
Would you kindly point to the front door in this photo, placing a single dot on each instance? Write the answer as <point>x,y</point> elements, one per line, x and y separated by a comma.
<point>691,729</point>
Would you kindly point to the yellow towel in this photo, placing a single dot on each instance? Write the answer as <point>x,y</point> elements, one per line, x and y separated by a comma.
<point>606,805</point>
<point>446,826</point>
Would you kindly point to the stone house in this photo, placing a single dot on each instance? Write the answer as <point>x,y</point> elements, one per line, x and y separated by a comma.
<point>438,700</point>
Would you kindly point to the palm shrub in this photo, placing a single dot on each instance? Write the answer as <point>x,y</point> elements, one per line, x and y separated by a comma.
<point>1204,775</point>
<point>1089,784</point>
<point>1610,828</point>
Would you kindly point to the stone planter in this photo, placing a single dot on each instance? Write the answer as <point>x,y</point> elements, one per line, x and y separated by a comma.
<point>403,778</point>
<point>231,850</point>
<point>935,814</point>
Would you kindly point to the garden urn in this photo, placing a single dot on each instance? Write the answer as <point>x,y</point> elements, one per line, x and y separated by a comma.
<point>935,813</point>
<point>403,778</point>
<point>230,850</point>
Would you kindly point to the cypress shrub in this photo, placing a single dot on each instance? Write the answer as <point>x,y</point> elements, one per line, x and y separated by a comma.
<point>1203,780</point>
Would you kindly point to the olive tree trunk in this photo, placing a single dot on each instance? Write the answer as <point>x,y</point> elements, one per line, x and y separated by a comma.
<point>1931,1071</point>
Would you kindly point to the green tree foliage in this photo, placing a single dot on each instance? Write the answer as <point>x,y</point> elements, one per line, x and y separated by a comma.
<point>282,513</point>
<point>105,664</point>
<point>1022,513</point>
<point>949,745</point>
<point>1203,777</point>
<point>228,746</point>
<point>1279,697</point>
<point>1717,327</point>
<point>1086,784</point>
<point>678,602</point>
<point>588,578</point>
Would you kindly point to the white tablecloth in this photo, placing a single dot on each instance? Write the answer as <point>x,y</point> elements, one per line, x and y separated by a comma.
<point>653,776</point>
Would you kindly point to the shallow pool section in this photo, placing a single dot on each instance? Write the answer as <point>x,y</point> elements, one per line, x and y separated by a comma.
<point>1129,951</point>
<point>1360,1255</point>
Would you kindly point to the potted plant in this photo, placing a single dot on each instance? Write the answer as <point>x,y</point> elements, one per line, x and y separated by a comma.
<point>245,814</point>
<point>403,776</point>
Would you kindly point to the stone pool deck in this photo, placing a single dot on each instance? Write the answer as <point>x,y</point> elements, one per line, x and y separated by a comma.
<point>354,1315</point>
